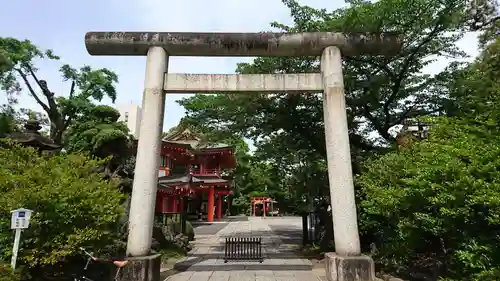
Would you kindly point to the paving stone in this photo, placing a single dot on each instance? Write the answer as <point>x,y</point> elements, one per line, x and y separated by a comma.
<point>264,273</point>
<point>200,276</point>
<point>290,278</point>
<point>220,276</point>
<point>242,275</point>
<point>209,250</point>
<point>265,278</point>
<point>182,276</point>
<point>284,273</point>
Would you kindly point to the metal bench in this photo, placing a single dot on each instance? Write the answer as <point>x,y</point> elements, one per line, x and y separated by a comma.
<point>243,248</point>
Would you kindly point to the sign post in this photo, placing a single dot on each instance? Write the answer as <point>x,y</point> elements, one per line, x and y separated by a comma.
<point>20,220</point>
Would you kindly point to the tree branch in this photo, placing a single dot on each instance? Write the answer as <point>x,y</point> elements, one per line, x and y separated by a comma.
<point>381,129</point>
<point>400,77</point>
<point>46,92</point>
<point>67,122</point>
<point>72,89</point>
<point>32,91</point>
<point>475,26</point>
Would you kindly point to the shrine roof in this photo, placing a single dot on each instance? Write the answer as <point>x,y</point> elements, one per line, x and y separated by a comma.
<point>178,179</point>
<point>191,140</point>
<point>179,143</point>
<point>182,179</point>
<point>213,180</point>
<point>219,145</point>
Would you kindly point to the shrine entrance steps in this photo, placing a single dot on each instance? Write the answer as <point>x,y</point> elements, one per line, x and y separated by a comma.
<point>206,261</point>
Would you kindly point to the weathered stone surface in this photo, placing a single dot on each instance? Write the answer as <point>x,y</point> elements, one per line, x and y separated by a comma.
<point>349,268</point>
<point>241,44</point>
<point>260,83</point>
<point>141,269</point>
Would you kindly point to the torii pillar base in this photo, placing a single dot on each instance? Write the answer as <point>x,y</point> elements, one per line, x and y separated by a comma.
<point>349,268</point>
<point>141,269</point>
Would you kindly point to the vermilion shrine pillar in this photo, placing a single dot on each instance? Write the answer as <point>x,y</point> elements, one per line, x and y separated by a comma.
<point>218,209</point>
<point>164,204</point>
<point>210,207</point>
<point>174,204</point>
<point>159,204</point>
<point>170,203</point>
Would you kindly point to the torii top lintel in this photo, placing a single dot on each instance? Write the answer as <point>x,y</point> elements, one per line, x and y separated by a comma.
<point>241,44</point>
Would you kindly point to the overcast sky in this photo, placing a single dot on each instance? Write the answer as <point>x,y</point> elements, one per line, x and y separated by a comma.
<point>61,26</point>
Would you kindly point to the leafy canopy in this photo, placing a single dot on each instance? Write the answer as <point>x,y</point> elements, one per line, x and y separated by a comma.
<point>73,206</point>
<point>434,207</point>
<point>18,72</point>
<point>381,92</point>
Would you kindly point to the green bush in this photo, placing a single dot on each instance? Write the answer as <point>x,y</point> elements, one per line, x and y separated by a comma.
<point>6,273</point>
<point>240,205</point>
<point>177,228</point>
<point>73,206</point>
<point>189,231</point>
<point>433,208</point>
<point>166,238</point>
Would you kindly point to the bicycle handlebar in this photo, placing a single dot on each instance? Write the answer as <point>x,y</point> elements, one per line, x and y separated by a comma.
<point>87,253</point>
<point>117,263</point>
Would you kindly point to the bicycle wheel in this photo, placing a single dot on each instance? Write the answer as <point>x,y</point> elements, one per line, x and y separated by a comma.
<point>81,278</point>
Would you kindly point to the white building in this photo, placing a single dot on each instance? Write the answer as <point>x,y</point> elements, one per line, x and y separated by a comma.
<point>131,115</point>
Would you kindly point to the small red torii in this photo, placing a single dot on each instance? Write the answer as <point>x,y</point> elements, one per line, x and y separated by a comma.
<point>264,200</point>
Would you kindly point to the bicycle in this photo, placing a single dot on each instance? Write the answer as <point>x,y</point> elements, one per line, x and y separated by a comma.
<point>118,263</point>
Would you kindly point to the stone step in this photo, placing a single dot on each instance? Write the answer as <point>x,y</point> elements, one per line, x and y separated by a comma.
<point>218,264</point>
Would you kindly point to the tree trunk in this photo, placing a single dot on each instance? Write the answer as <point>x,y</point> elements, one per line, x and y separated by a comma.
<point>123,221</point>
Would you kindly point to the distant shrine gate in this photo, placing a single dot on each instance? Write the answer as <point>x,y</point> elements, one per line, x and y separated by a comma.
<point>262,206</point>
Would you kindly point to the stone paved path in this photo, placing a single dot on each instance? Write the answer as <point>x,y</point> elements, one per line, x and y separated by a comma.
<point>280,264</point>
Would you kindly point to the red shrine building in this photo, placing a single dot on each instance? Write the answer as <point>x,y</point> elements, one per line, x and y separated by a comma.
<point>191,177</point>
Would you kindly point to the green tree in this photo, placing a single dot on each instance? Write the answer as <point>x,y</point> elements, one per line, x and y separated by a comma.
<point>8,120</point>
<point>381,92</point>
<point>73,206</point>
<point>475,88</point>
<point>18,71</point>
<point>99,133</point>
<point>433,208</point>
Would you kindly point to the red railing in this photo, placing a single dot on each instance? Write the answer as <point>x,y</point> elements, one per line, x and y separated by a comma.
<point>204,172</point>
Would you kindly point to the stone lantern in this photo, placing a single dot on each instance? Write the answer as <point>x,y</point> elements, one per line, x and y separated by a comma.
<point>31,137</point>
<point>417,128</point>
<point>412,130</point>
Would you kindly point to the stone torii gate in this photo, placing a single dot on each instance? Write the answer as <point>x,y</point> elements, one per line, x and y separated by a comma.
<point>347,263</point>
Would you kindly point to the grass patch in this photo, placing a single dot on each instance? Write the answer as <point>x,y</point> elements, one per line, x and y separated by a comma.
<point>311,252</point>
<point>169,255</point>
